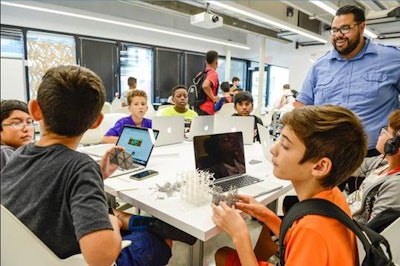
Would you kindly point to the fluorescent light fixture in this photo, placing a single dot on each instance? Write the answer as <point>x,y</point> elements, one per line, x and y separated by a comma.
<point>265,19</point>
<point>332,10</point>
<point>130,25</point>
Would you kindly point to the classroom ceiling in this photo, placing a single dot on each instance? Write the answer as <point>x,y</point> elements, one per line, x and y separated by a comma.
<point>383,17</point>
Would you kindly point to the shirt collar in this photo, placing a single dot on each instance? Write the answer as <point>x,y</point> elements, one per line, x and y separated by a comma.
<point>367,49</point>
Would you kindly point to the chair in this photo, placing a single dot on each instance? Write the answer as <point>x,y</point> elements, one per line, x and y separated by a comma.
<point>92,136</point>
<point>227,109</point>
<point>151,112</point>
<point>121,110</point>
<point>391,233</point>
<point>106,108</point>
<point>20,246</point>
<point>115,105</point>
<point>109,121</point>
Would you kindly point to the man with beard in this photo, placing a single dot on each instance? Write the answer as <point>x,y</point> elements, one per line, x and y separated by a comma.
<point>358,74</point>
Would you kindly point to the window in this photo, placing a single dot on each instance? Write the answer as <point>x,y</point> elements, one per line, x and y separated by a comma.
<point>47,50</point>
<point>278,76</point>
<point>12,45</point>
<point>137,62</point>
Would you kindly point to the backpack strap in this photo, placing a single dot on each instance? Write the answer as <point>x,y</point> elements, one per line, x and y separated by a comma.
<point>198,77</point>
<point>327,208</point>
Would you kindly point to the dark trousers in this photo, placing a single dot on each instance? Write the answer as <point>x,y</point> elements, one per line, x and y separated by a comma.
<point>199,111</point>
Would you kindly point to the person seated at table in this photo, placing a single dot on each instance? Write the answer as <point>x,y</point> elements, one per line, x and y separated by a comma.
<point>379,191</point>
<point>58,193</point>
<point>244,106</point>
<point>137,105</point>
<point>320,146</point>
<point>180,100</point>
<point>16,127</point>
<point>226,96</point>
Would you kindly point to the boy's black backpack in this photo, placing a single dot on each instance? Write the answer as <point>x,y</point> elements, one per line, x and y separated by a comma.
<point>196,95</point>
<point>372,242</point>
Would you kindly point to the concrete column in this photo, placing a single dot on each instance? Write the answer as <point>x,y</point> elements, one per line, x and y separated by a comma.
<point>261,84</point>
<point>227,65</point>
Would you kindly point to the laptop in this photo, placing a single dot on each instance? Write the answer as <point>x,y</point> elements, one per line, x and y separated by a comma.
<point>201,125</point>
<point>210,153</point>
<point>171,128</point>
<point>244,124</point>
<point>138,142</point>
<point>266,141</point>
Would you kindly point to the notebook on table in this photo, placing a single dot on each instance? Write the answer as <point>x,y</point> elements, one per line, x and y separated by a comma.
<point>201,125</point>
<point>212,152</point>
<point>266,141</point>
<point>171,129</point>
<point>244,124</point>
<point>138,143</point>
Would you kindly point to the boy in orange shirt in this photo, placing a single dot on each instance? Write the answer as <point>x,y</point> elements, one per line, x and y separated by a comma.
<point>320,147</point>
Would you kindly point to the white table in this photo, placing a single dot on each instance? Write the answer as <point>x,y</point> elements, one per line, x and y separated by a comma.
<point>194,219</point>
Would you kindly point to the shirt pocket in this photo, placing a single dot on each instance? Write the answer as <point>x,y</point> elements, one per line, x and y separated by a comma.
<point>323,89</point>
<point>371,82</point>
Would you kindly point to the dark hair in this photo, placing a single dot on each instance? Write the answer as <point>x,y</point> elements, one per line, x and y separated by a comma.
<point>177,87</point>
<point>8,106</point>
<point>211,56</point>
<point>286,87</point>
<point>131,80</point>
<point>235,79</point>
<point>243,96</point>
<point>225,86</point>
<point>358,13</point>
<point>71,98</point>
<point>329,131</point>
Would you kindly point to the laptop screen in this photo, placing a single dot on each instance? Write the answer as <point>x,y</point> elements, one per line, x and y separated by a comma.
<point>220,154</point>
<point>139,142</point>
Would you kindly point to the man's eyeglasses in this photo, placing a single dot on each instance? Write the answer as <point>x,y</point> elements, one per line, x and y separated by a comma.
<point>19,125</point>
<point>344,29</point>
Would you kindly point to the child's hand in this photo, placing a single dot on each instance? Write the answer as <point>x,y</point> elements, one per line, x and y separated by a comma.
<point>107,167</point>
<point>252,207</point>
<point>228,219</point>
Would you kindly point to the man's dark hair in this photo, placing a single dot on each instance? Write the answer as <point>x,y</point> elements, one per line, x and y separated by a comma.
<point>358,13</point>
<point>243,96</point>
<point>177,87</point>
<point>71,98</point>
<point>8,106</point>
<point>131,80</point>
<point>225,86</point>
<point>235,79</point>
<point>211,56</point>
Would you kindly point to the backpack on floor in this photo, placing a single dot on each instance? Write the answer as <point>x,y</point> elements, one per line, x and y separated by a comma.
<point>376,247</point>
<point>196,94</point>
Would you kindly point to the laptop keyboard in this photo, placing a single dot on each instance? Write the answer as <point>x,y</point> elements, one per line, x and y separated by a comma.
<point>237,182</point>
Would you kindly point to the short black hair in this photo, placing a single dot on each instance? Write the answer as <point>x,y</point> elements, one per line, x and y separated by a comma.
<point>243,96</point>
<point>8,106</point>
<point>225,86</point>
<point>211,56</point>
<point>177,87</point>
<point>131,80</point>
<point>359,15</point>
<point>235,79</point>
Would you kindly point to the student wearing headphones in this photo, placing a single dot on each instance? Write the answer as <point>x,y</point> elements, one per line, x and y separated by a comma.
<point>380,189</point>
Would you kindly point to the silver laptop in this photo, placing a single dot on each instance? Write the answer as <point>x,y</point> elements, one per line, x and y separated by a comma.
<point>201,125</point>
<point>138,142</point>
<point>266,141</point>
<point>171,128</point>
<point>223,155</point>
<point>244,124</point>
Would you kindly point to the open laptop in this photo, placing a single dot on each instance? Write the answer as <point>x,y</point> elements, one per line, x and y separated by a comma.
<point>138,142</point>
<point>244,124</point>
<point>266,141</point>
<point>201,125</point>
<point>210,153</point>
<point>171,128</point>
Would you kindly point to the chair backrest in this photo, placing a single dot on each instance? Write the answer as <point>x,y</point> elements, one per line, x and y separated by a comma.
<point>109,121</point>
<point>92,136</point>
<point>20,246</point>
<point>106,108</point>
<point>115,105</point>
<point>227,109</point>
<point>391,233</point>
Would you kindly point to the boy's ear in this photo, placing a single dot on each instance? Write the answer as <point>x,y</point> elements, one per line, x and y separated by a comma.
<point>34,110</point>
<point>322,168</point>
<point>98,121</point>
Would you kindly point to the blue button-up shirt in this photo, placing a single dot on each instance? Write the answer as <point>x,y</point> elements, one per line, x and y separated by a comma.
<point>368,84</point>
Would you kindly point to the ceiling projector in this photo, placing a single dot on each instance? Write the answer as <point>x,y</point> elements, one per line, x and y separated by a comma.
<point>206,20</point>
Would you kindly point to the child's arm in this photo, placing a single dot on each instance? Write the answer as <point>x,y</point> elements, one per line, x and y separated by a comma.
<point>109,140</point>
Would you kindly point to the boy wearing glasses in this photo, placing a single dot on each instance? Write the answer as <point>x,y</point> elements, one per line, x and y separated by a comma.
<point>380,189</point>
<point>357,74</point>
<point>16,127</point>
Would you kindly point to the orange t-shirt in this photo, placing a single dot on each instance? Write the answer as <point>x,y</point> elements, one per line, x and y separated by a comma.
<point>316,240</point>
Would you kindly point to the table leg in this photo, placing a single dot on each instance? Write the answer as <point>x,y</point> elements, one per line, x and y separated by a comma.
<point>196,253</point>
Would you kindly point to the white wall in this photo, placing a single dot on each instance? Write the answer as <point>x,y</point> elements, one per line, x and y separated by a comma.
<point>13,79</point>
